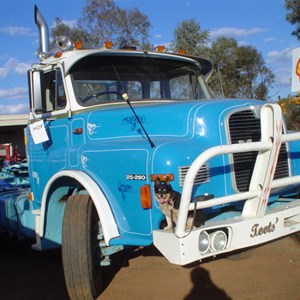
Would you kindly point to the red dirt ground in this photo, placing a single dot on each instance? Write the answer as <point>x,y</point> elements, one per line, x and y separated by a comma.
<point>271,271</point>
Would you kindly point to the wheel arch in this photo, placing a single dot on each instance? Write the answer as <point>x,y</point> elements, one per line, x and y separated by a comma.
<point>108,223</point>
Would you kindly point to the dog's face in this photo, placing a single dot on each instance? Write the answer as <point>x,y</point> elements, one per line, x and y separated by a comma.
<point>162,191</point>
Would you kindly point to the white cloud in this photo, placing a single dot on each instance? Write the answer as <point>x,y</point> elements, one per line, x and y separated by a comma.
<point>14,109</point>
<point>283,76</point>
<point>235,32</point>
<point>158,36</point>
<point>22,68</point>
<point>13,66</point>
<point>14,93</point>
<point>280,62</point>
<point>3,72</point>
<point>280,56</point>
<point>270,39</point>
<point>17,30</point>
<point>283,80</point>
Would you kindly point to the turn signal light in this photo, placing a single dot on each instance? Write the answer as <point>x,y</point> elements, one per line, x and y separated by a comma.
<point>108,45</point>
<point>31,196</point>
<point>145,196</point>
<point>58,54</point>
<point>78,45</point>
<point>160,48</point>
<point>181,51</point>
<point>162,177</point>
<point>78,130</point>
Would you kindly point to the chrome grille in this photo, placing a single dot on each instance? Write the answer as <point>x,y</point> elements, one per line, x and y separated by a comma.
<point>202,176</point>
<point>245,127</point>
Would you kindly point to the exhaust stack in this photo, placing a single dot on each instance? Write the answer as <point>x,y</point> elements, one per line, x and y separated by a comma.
<point>44,33</point>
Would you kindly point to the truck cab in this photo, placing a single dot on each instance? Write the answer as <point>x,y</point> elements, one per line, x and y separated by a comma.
<point>117,142</point>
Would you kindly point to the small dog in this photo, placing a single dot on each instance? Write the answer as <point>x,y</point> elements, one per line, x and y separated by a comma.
<point>169,201</point>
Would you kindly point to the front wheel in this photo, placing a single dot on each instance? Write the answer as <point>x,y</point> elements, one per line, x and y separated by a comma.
<point>81,253</point>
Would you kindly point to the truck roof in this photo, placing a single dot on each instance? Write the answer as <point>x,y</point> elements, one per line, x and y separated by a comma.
<point>69,58</point>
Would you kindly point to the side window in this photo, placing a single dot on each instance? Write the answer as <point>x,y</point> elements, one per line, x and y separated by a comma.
<point>54,91</point>
<point>61,100</point>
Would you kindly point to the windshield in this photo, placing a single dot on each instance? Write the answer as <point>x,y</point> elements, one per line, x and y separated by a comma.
<point>103,79</point>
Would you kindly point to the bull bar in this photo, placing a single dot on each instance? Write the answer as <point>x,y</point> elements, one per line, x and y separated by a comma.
<point>256,224</point>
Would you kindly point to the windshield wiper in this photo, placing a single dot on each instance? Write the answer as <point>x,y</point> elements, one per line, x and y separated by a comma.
<point>125,97</point>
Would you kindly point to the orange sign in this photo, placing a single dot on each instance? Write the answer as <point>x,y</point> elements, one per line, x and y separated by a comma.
<point>298,68</point>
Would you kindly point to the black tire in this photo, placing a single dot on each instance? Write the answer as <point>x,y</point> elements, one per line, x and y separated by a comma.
<point>81,253</point>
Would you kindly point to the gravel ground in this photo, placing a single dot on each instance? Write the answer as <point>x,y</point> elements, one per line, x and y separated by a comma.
<point>271,271</point>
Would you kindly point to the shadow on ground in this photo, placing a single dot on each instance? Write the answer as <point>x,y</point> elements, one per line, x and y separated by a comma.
<point>28,274</point>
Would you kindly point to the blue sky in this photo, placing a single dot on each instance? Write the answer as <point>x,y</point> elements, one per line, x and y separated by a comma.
<point>258,23</point>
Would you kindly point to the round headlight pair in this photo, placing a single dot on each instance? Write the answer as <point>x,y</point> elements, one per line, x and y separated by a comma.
<point>216,241</point>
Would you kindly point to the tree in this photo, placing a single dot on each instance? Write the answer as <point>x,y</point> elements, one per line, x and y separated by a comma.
<point>241,70</point>
<point>291,108</point>
<point>293,15</point>
<point>223,54</point>
<point>133,29</point>
<point>73,32</point>
<point>254,74</point>
<point>189,36</point>
<point>102,21</point>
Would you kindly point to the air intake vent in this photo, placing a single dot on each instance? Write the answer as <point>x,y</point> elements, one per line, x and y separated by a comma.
<point>245,127</point>
<point>203,175</point>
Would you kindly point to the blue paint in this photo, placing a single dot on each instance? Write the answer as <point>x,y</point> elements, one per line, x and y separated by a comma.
<point>111,148</point>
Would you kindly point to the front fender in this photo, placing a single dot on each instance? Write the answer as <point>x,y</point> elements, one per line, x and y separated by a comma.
<point>108,223</point>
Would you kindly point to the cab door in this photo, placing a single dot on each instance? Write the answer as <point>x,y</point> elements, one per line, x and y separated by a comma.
<point>48,112</point>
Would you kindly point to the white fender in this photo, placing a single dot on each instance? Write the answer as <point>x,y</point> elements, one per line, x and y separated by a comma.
<point>109,226</point>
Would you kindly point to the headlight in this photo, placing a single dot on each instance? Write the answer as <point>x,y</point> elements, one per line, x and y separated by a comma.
<point>204,241</point>
<point>218,240</point>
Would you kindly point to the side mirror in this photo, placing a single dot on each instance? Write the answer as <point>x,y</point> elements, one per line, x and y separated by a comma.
<point>37,91</point>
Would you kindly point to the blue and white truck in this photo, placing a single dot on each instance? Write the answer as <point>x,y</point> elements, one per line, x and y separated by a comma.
<point>105,124</point>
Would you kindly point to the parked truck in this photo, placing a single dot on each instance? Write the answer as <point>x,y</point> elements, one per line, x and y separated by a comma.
<point>106,125</point>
